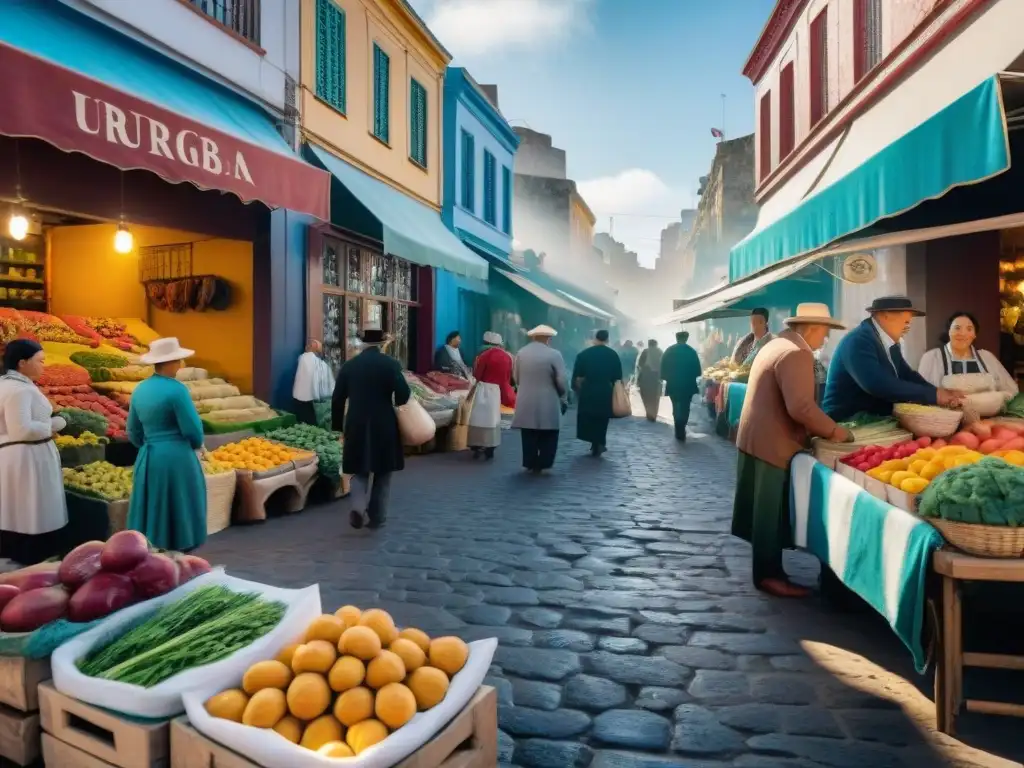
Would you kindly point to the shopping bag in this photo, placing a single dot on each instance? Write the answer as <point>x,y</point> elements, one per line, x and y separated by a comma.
<point>414,424</point>
<point>621,406</point>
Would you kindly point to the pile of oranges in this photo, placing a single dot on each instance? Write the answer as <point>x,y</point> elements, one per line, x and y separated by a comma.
<point>255,454</point>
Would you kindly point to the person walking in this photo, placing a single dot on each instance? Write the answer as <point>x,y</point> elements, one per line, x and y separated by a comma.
<point>33,510</point>
<point>314,383</point>
<point>168,502</point>
<point>629,356</point>
<point>779,414</point>
<point>648,378</point>
<point>373,385</point>
<point>680,369</point>
<point>539,371</point>
<point>594,376</point>
<point>493,373</point>
<point>448,358</point>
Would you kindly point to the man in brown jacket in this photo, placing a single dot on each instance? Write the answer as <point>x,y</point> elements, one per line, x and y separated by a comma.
<point>779,415</point>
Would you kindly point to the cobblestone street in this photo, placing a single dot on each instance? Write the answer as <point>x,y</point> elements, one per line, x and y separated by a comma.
<point>630,634</point>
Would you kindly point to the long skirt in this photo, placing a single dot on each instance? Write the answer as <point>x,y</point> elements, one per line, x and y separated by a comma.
<point>539,448</point>
<point>168,501</point>
<point>485,418</point>
<point>650,394</point>
<point>760,514</point>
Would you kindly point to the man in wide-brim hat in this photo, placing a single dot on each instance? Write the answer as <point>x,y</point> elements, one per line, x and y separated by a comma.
<point>539,371</point>
<point>779,416</point>
<point>868,373</point>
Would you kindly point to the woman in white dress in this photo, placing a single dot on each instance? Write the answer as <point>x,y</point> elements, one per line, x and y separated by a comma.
<point>33,511</point>
<point>956,355</point>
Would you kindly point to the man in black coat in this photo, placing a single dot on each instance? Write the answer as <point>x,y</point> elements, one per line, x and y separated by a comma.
<point>372,385</point>
<point>680,369</point>
<point>593,376</point>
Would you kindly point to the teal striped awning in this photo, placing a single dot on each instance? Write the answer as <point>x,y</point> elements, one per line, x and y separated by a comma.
<point>964,143</point>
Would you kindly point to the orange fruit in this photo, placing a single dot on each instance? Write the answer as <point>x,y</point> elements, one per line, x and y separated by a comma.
<point>361,642</point>
<point>418,636</point>
<point>429,685</point>
<point>381,623</point>
<point>388,667</point>
<point>326,627</point>
<point>354,706</point>
<point>395,705</point>
<point>364,735</point>
<point>411,654</point>
<point>448,654</point>
<point>347,672</point>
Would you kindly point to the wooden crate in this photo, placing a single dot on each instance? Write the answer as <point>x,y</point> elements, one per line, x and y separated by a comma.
<point>98,733</point>
<point>19,681</point>
<point>470,740</point>
<point>19,736</point>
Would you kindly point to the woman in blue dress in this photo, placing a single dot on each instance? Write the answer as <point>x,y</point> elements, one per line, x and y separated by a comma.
<point>168,490</point>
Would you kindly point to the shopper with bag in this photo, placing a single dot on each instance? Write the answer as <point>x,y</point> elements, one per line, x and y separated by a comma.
<point>493,373</point>
<point>313,385</point>
<point>539,371</point>
<point>371,385</point>
<point>597,378</point>
<point>680,369</point>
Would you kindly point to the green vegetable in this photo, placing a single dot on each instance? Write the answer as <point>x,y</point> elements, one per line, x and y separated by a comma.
<point>168,622</point>
<point>95,360</point>
<point>80,421</point>
<point>323,442</point>
<point>865,419</point>
<point>207,642</point>
<point>990,492</point>
<point>1015,407</point>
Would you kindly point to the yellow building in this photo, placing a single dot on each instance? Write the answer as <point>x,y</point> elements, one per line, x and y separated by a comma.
<point>372,76</point>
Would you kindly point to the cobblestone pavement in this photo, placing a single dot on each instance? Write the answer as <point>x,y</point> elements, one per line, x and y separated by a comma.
<point>630,635</point>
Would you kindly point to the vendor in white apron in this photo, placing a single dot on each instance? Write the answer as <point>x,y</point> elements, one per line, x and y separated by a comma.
<point>493,373</point>
<point>957,364</point>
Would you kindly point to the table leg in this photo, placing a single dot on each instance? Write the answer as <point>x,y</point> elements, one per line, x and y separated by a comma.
<point>941,715</point>
<point>946,703</point>
<point>957,682</point>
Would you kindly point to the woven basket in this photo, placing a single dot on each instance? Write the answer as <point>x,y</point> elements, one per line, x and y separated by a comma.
<point>828,452</point>
<point>982,540</point>
<point>934,422</point>
<point>220,494</point>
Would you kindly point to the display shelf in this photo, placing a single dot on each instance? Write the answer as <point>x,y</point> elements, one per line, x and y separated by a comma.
<point>38,305</point>
<point>13,282</point>
<point>39,265</point>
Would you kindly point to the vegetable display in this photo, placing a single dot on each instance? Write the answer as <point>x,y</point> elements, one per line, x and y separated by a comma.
<point>205,626</point>
<point>1015,407</point>
<point>81,421</point>
<point>63,376</point>
<point>94,580</point>
<point>989,492</point>
<point>323,442</point>
<point>117,417</point>
<point>83,439</point>
<point>90,360</point>
<point>352,681</point>
<point>99,480</point>
<point>254,454</point>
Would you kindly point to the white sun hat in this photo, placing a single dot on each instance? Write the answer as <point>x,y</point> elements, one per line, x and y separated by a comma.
<point>493,338</point>
<point>542,330</point>
<point>813,313</point>
<point>165,351</point>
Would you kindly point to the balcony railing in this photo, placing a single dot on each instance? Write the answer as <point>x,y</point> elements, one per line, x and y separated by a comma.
<point>240,16</point>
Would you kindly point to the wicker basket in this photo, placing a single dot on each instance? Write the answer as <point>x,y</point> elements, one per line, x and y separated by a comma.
<point>829,453</point>
<point>982,540</point>
<point>220,494</point>
<point>933,422</point>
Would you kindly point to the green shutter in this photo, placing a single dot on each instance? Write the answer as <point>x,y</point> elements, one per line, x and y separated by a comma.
<point>418,123</point>
<point>381,93</point>
<point>490,213</point>
<point>330,54</point>
<point>506,200</point>
<point>468,172</point>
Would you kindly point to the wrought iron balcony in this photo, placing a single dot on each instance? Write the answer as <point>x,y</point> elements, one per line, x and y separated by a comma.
<point>240,16</point>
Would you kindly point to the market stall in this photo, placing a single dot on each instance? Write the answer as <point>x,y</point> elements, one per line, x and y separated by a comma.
<point>724,387</point>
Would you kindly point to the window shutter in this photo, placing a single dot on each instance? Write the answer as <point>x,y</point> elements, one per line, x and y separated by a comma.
<point>489,182</point>
<point>418,123</point>
<point>381,93</point>
<point>468,172</point>
<point>506,200</point>
<point>330,54</point>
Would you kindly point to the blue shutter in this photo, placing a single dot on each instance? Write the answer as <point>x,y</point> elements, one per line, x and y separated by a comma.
<point>418,123</point>
<point>330,54</point>
<point>381,93</point>
<point>506,200</point>
<point>468,172</point>
<point>490,213</point>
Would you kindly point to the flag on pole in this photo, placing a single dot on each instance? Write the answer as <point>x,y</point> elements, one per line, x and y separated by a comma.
<point>717,133</point>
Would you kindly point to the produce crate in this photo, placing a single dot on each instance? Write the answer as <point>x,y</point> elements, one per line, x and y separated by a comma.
<point>213,442</point>
<point>253,491</point>
<point>19,736</point>
<point>220,495</point>
<point>79,735</point>
<point>470,740</point>
<point>19,681</point>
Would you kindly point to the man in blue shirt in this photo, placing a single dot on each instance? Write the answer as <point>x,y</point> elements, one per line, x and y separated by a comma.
<point>868,372</point>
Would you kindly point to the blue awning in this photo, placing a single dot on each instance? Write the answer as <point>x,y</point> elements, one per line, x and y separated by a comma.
<point>408,228</point>
<point>964,143</point>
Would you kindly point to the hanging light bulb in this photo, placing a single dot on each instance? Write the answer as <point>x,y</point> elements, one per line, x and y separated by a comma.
<point>17,225</point>
<point>123,240</point>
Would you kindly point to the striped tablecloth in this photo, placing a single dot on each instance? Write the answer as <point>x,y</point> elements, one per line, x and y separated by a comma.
<point>736,393</point>
<point>880,552</point>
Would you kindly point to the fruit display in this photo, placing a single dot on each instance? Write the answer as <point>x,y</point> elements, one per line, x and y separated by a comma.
<point>323,442</point>
<point>46,327</point>
<point>117,417</point>
<point>104,330</point>
<point>352,681</point>
<point>987,492</point>
<point>94,580</point>
<point>206,625</point>
<point>212,466</point>
<point>255,454</point>
<point>100,480</point>
<point>60,375</point>
<point>727,371</point>
<point>85,438</point>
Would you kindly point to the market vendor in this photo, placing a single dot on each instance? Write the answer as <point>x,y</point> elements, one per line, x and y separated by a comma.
<point>868,373</point>
<point>448,358</point>
<point>746,349</point>
<point>956,356</point>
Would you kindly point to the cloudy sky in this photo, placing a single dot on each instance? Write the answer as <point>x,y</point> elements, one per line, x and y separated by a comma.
<point>629,88</point>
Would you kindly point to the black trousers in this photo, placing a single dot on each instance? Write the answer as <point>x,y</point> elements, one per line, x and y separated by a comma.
<point>681,415</point>
<point>539,447</point>
<point>305,412</point>
<point>29,549</point>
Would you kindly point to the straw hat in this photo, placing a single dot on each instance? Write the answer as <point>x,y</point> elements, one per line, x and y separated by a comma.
<point>813,313</point>
<point>165,351</point>
<point>493,339</point>
<point>542,330</point>
<point>894,304</point>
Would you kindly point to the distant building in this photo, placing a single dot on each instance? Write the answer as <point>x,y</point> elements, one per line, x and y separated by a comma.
<point>537,156</point>
<point>550,215</point>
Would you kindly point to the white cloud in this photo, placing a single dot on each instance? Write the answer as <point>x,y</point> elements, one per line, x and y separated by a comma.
<point>635,205</point>
<point>475,27</point>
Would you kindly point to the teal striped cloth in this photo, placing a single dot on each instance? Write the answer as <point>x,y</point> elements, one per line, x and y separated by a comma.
<point>879,551</point>
<point>734,397</point>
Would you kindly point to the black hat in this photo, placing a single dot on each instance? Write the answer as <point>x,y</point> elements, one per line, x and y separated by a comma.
<point>372,336</point>
<point>894,304</point>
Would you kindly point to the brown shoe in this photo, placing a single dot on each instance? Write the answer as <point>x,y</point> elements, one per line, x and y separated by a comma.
<point>783,588</point>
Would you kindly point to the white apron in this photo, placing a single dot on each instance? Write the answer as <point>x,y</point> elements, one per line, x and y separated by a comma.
<point>31,483</point>
<point>485,418</point>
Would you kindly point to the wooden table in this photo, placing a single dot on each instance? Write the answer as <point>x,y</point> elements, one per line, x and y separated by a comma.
<point>954,567</point>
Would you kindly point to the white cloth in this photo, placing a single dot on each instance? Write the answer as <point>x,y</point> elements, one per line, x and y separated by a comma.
<point>456,357</point>
<point>486,412</point>
<point>931,370</point>
<point>313,379</point>
<point>31,484</point>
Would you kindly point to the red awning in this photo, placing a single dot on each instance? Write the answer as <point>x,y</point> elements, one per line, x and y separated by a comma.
<point>78,114</point>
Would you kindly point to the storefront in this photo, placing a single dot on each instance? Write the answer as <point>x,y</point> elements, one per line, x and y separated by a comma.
<point>97,141</point>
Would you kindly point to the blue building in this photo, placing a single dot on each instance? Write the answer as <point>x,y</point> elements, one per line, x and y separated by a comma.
<point>479,147</point>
